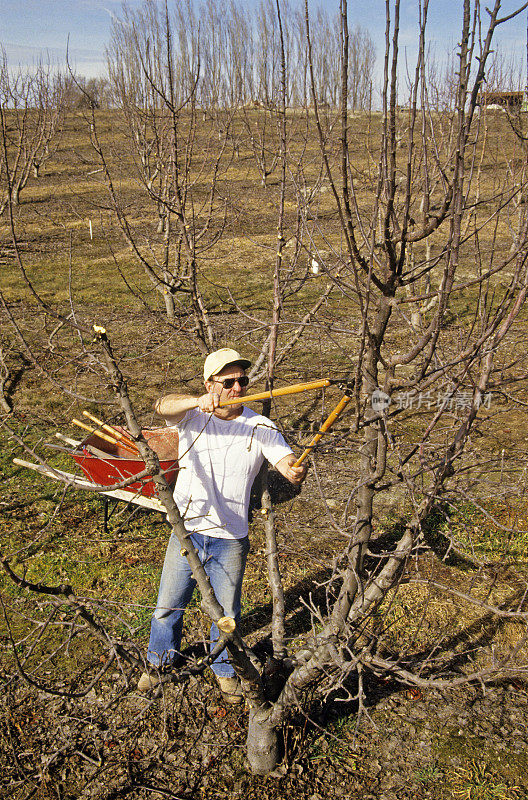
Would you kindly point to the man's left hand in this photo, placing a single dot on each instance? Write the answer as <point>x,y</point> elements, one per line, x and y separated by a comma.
<point>295,475</point>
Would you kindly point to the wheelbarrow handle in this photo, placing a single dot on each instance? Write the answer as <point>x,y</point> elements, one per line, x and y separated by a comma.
<point>295,388</point>
<point>329,421</point>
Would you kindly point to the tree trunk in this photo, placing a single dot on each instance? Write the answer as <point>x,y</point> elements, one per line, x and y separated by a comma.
<point>15,195</point>
<point>262,744</point>
<point>169,305</point>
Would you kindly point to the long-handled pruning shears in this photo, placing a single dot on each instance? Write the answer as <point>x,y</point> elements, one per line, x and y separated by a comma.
<point>295,388</point>
<point>327,424</point>
<point>304,387</point>
<point>113,435</point>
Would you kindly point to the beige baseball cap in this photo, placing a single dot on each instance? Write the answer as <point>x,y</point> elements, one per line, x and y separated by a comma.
<point>215,362</point>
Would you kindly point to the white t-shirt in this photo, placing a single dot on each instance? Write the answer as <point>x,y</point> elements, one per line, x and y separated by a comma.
<point>219,460</point>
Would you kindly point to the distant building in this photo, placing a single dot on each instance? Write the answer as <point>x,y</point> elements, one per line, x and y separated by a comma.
<point>502,99</point>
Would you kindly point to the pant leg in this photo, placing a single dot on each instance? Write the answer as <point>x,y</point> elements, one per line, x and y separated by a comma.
<point>175,591</point>
<point>225,563</point>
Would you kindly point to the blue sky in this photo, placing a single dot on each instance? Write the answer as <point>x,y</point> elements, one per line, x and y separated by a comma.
<point>31,27</point>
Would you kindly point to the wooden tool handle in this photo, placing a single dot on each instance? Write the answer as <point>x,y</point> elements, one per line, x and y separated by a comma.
<point>112,431</point>
<point>329,421</point>
<point>295,388</point>
<point>104,436</point>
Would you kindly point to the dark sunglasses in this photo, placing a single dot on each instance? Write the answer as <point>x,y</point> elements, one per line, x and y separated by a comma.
<point>228,383</point>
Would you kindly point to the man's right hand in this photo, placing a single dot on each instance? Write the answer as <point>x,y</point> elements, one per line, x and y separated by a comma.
<point>208,402</point>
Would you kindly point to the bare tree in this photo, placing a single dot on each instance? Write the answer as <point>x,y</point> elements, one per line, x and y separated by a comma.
<point>362,58</point>
<point>156,75</point>
<point>31,118</point>
<point>81,92</point>
<point>239,66</point>
<point>378,245</point>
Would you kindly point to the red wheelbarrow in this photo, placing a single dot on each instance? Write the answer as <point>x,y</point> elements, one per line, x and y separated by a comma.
<point>106,463</point>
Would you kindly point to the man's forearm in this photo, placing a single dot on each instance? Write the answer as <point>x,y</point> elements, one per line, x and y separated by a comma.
<point>174,406</point>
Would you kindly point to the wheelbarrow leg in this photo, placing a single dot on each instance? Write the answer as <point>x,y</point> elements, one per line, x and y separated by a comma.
<point>105,514</point>
<point>109,507</point>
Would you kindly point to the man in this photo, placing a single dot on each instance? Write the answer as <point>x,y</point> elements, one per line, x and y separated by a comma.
<point>221,451</point>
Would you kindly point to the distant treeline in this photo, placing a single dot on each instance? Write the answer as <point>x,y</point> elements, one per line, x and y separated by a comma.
<point>228,55</point>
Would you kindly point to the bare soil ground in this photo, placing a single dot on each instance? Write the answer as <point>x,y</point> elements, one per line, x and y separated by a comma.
<point>184,742</point>
<point>187,744</point>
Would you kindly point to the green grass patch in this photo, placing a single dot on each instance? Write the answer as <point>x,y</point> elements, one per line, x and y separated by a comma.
<point>482,773</point>
<point>497,530</point>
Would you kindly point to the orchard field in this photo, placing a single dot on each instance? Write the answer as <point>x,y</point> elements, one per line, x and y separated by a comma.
<point>382,646</point>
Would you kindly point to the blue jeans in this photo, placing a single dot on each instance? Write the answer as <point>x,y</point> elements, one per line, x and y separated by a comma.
<point>224,561</point>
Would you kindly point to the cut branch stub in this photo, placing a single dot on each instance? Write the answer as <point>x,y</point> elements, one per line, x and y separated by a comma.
<point>226,624</point>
